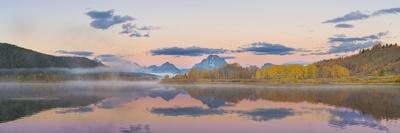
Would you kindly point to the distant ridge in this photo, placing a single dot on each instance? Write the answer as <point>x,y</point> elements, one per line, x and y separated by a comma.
<point>266,65</point>
<point>167,67</point>
<point>212,62</point>
<point>12,56</point>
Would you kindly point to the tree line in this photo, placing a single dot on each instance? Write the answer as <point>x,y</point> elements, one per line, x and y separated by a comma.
<point>274,72</point>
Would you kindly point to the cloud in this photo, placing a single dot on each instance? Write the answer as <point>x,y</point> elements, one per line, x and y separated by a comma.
<point>134,31</point>
<point>186,111</point>
<point>387,11</point>
<point>112,59</point>
<point>358,15</point>
<point>75,53</point>
<point>105,19</point>
<point>100,14</point>
<point>117,62</point>
<point>353,39</point>
<point>343,44</point>
<point>344,26</point>
<point>350,47</point>
<point>148,28</point>
<point>264,48</point>
<point>189,51</point>
<point>127,28</point>
<point>259,48</point>
<point>228,57</point>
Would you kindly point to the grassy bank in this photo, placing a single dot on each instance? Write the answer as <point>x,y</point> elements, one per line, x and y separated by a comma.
<point>349,80</point>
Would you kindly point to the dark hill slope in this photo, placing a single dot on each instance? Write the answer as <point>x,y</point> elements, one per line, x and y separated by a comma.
<point>381,59</point>
<point>12,56</point>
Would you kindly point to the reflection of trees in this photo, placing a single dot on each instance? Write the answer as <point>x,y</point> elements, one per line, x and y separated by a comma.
<point>21,101</point>
<point>379,103</point>
<point>12,109</point>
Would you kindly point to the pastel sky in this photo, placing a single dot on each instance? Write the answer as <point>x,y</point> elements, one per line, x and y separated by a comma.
<point>185,31</point>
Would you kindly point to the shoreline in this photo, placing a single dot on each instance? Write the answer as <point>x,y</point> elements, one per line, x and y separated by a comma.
<point>393,79</point>
<point>276,84</point>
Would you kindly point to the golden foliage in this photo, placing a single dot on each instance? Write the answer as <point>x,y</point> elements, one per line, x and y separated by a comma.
<point>281,72</point>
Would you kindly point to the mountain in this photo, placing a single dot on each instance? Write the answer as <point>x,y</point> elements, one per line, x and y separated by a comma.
<point>212,62</point>
<point>165,68</point>
<point>299,62</point>
<point>267,65</point>
<point>12,56</point>
<point>379,60</point>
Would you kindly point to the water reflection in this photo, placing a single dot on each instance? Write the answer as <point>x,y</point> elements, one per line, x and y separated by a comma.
<point>186,111</point>
<point>165,93</point>
<point>268,114</point>
<point>12,109</point>
<point>344,118</point>
<point>136,129</point>
<point>76,110</point>
<point>351,108</point>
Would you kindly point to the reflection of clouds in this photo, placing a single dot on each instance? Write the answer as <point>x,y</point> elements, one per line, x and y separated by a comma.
<point>76,110</point>
<point>343,118</point>
<point>268,114</point>
<point>256,115</point>
<point>136,129</point>
<point>186,111</point>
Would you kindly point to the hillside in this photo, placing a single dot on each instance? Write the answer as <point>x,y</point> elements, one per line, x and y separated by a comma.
<point>12,56</point>
<point>379,60</point>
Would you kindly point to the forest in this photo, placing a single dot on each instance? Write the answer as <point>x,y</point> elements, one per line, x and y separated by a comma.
<point>369,65</point>
<point>56,75</point>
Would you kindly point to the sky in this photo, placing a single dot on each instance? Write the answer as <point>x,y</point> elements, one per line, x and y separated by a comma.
<point>183,32</point>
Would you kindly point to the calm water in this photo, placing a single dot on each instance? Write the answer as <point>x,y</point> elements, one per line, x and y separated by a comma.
<point>148,107</point>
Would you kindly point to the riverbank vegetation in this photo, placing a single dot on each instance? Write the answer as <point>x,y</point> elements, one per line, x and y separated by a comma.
<point>380,64</point>
<point>55,75</point>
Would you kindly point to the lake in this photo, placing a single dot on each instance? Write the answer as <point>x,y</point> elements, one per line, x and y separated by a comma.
<point>150,107</point>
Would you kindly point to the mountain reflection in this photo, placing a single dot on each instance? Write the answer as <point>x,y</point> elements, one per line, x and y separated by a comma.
<point>165,93</point>
<point>212,102</point>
